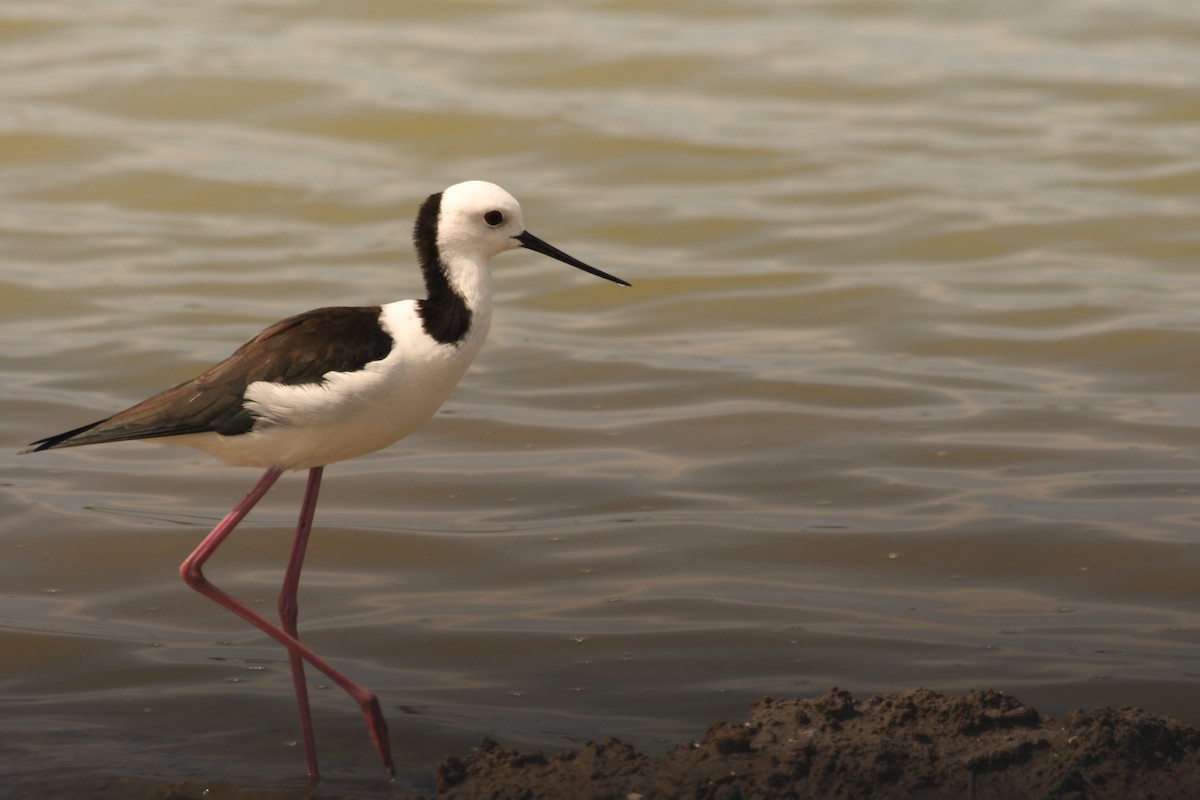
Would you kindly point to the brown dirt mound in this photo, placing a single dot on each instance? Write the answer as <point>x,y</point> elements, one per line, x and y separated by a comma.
<point>919,745</point>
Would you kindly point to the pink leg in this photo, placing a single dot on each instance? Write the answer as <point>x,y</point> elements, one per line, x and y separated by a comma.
<point>194,577</point>
<point>289,610</point>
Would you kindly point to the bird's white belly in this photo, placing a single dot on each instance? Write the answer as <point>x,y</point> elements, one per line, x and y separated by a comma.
<point>349,414</point>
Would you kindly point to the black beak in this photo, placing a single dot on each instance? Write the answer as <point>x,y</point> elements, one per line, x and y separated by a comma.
<point>535,244</point>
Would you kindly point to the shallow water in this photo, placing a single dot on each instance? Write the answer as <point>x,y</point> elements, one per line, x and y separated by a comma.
<point>904,392</point>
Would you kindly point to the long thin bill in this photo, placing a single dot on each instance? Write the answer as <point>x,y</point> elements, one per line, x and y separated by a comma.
<point>535,244</point>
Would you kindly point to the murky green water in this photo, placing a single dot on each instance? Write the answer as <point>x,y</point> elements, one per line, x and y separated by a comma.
<point>904,393</point>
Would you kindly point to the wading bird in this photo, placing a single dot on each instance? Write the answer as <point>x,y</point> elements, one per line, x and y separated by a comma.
<point>332,384</point>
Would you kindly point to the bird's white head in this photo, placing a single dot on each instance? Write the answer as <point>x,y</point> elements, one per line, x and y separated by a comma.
<point>478,220</point>
<point>458,231</point>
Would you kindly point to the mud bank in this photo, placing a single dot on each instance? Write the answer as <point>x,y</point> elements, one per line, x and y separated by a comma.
<point>918,744</point>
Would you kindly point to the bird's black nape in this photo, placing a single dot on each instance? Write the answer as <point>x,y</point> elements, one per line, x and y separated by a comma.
<point>425,232</point>
<point>444,313</point>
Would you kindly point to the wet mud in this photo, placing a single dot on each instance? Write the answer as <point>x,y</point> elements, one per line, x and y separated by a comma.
<point>918,744</point>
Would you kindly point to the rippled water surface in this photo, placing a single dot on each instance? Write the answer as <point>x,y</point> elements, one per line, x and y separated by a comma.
<point>904,392</point>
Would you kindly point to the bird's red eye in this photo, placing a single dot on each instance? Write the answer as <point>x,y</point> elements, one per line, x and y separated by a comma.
<point>493,218</point>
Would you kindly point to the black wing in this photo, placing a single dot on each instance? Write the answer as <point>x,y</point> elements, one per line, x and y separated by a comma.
<point>297,350</point>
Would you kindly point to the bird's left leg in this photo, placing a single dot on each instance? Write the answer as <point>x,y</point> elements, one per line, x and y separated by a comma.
<point>289,610</point>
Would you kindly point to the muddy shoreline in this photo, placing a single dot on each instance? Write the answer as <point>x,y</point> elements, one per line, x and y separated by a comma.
<point>917,744</point>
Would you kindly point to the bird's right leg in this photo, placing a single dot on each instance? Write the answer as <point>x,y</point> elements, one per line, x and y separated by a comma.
<point>193,576</point>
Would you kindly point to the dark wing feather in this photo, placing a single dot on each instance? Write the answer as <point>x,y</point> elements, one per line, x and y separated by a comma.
<point>297,350</point>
